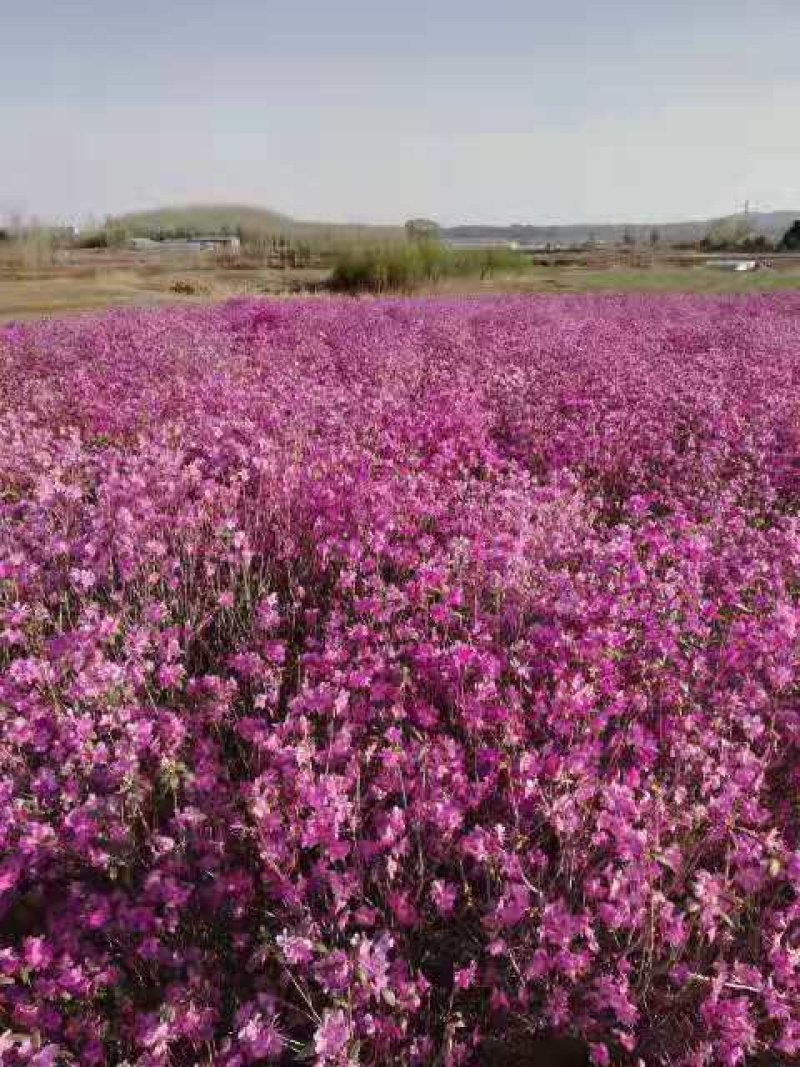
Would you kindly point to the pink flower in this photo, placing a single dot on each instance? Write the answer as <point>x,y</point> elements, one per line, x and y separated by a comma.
<point>331,1036</point>
<point>38,953</point>
<point>296,950</point>
<point>599,1055</point>
<point>464,978</point>
<point>45,1057</point>
<point>443,896</point>
<point>261,1039</point>
<point>408,631</point>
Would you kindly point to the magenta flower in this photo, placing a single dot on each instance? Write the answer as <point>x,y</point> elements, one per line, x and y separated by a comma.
<point>331,1036</point>
<point>392,681</point>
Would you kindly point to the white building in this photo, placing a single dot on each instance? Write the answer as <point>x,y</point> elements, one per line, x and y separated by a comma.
<point>733,264</point>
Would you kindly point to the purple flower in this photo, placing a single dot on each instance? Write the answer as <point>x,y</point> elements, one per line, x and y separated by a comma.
<point>464,977</point>
<point>509,692</point>
<point>331,1036</point>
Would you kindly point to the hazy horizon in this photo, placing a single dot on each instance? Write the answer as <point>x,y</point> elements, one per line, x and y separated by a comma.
<point>521,113</point>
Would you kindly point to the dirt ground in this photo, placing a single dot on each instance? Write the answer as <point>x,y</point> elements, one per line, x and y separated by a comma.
<point>98,279</point>
<point>94,280</point>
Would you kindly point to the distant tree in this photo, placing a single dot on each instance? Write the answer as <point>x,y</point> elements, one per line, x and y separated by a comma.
<point>422,230</point>
<point>592,239</point>
<point>714,235</point>
<point>116,235</point>
<point>791,239</point>
<point>655,237</point>
<point>758,243</point>
<point>627,237</point>
<point>93,239</point>
<point>730,232</point>
<point>16,223</point>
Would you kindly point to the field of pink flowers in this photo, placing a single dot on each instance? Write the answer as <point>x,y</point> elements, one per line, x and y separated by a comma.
<point>389,683</point>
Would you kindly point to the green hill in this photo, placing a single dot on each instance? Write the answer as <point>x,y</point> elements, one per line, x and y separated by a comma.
<point>205,218</point>
<point>253,222</point>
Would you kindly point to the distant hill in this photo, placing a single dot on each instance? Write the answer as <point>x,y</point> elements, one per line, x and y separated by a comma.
<point>772,225</point>
<point>208,218</point>
<point>261,222</point>
<point>255,221</point>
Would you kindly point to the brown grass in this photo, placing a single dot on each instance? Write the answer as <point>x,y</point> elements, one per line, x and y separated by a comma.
<point>96,279</point>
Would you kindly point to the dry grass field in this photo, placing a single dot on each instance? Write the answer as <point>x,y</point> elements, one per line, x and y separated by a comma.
<point>95,279</point>
<point>90,280</point>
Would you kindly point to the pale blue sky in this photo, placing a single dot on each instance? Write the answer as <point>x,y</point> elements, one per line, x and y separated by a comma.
<point>507,111</point>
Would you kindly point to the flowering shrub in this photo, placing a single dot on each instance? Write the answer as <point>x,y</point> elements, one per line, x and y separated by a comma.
<point>386,682</point>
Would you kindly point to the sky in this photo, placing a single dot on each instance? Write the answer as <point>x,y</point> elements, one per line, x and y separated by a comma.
<point>377,110</point>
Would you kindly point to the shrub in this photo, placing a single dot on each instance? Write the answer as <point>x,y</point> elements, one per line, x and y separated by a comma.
<point>111,235</point>
<point>93,239</point>
<point>404,268</point>
<point>401,682</point>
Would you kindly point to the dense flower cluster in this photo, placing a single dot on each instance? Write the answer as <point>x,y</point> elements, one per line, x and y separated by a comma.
<point>384,681</point>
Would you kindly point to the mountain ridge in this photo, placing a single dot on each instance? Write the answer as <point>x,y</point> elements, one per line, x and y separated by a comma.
<point>772,225</point>
<point>210,217</point>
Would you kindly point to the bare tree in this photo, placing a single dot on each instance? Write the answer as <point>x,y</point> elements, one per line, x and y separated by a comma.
<point>13,217</point>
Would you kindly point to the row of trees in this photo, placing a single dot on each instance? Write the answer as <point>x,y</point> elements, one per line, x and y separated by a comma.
<point>791,239</point>
<point>731,234</point>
